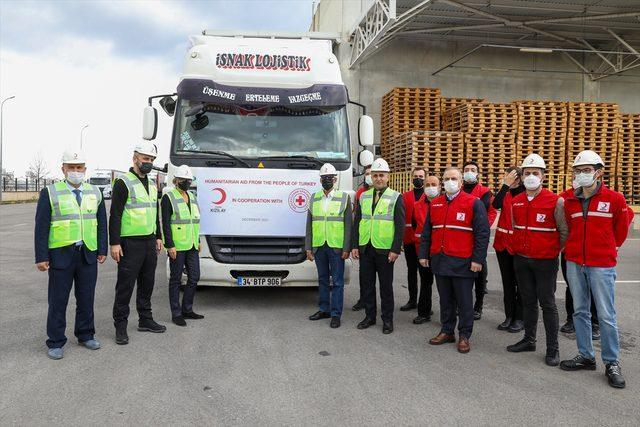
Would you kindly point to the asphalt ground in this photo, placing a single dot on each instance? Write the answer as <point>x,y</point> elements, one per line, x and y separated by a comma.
<point>256,359</point>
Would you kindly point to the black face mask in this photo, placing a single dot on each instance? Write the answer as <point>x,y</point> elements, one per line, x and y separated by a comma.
<point>145,167</point>
<point>327,183</point>
<point>418,182</point>
<point>184,185</point>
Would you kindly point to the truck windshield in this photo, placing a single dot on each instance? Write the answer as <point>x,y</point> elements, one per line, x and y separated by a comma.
<point>250,131</point>
<point>99,181</point>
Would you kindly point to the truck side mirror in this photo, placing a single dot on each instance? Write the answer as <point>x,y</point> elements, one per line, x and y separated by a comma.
<point>365,131</point>
<point>168,104</point>
<point>365,158</point>
<point>149,123</point>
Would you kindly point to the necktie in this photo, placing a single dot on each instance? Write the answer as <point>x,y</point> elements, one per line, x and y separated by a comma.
<point>78,196</point>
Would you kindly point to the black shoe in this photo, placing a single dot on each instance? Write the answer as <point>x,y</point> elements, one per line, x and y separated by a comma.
<point>419,320</point>
<point>357,306</point>
<point>577,363</point>
<point>179,320</point>
<point>366,323</point>
<point>505,325</point>
<point>150,325</point>
<point>524,344</point>
<point>595,332</point>
<point>121,336</point>
<point>192,315</point>
<point>335,322</point>
<point>552,358</point>
<point>408,306</point>
<point>614,375</point>
<point>568,328</point>
<point>477,314</point>
<point>516,326</point>
<point>387,327</point>
<point>319,315</point>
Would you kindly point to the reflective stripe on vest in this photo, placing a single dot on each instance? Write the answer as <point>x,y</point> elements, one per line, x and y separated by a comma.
<point>328,227</point>
<point>377,227</point>
<point>71,223</point>
<point>184,222</point>
<point>140,210</point>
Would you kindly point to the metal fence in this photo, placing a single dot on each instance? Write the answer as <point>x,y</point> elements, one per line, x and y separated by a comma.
<point>24,184</point>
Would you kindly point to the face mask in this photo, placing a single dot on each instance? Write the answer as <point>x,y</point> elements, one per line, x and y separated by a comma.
<point>584,179</point>
<point>575,184</point>
<point>532,182</point>
<point>75,178</point>
<point>145,167</point>
<point>327,182</point>
<point>368,180</point>
<point>470,177</point>
<point>432,192</point>
<point>184,185</point>
<point>418,182</point>
<point>451,187</point>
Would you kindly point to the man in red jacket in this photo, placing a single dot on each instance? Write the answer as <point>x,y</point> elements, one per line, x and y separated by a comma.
<point>472,186</point>
<point>410,199</point>
<point>539,232</point>
<point>598,222</point>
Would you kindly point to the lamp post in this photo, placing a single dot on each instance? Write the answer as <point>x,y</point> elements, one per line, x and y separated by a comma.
<point>81,132</point>
<point>1,176</point>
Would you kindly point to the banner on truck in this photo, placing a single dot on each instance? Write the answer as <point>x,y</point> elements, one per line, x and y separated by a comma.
<point>255,202</point>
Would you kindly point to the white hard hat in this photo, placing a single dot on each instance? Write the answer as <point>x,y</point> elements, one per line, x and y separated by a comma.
<point>146,147</point>
<point>73,157</point>
<point>533,161</point>
<point>328,169</point>
<point>183,171</point>
<point>588,157</point>
<point>380,165</point>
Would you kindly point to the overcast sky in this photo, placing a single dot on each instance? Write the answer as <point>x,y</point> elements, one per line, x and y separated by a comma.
<point>71,63</point>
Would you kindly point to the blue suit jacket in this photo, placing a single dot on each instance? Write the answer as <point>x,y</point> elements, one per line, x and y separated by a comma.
<point>60,258</point>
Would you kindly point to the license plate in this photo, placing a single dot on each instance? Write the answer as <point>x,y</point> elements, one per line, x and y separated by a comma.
<point>259,281</point>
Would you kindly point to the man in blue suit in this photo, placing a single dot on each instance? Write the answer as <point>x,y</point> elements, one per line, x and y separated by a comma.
<point>70,239</point>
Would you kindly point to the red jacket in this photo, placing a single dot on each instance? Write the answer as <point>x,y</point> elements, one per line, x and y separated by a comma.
<point>594,239</point>
<point>480,190</point>
<point>409,202</point>
<point>420,216</point>
<point>452,225</point>
<point>535,234</point>
<point>359,192</point>
<point>504,231</point>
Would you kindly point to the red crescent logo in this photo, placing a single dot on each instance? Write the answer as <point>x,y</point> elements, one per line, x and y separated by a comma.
<point>223,196</point>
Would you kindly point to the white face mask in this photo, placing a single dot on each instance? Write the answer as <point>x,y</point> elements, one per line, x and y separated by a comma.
<point>75,178</point>
<point>584,179</point>
<point>368,180</point>
<point>575,184</point>
<point>432,192</point>
<point>451,187</point>
<point>470,177</point>
<point>532,182</point>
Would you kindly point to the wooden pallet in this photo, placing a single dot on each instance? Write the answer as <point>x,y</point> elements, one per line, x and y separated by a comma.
<point>628,158</point>
<point>432,150</point>
<point>481,117</point>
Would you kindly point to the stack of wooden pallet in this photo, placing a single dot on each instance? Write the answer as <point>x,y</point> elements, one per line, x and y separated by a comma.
<point>628,161</point>
<point>542,129</point>
<point>431,150</point>
<point>447,104</point>
<point>408,109</point>
<point>593,126</point>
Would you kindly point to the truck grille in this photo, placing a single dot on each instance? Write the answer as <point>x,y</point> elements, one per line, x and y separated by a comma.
<point>257,250</point>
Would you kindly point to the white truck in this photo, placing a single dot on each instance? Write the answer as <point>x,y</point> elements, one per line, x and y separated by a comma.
<point>102,178</point>
<point>255,116</point>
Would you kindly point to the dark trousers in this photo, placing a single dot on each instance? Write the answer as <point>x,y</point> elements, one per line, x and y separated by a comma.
<point>480,283</point>
<point>456,292</point>
<point>137,264</point>
<point>568,299</point>
<point>189,260</point>
<point>330,267</point>
<point>82,277</point>
<point>372,263</point>
<point>511,299</point>
<point>426,281</point>
<point>537,280</point>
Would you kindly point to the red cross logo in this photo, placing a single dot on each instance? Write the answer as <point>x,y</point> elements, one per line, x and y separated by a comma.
<point>300,200</point>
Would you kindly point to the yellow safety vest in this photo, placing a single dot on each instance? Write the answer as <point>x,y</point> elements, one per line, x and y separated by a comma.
<point>328,227</point>
<point>141,208</point>
<point>378,226</point>
<point>185,223</point>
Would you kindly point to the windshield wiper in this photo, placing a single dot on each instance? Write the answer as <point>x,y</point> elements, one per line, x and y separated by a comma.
<point>219,153</point>
<point>297,156</point>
